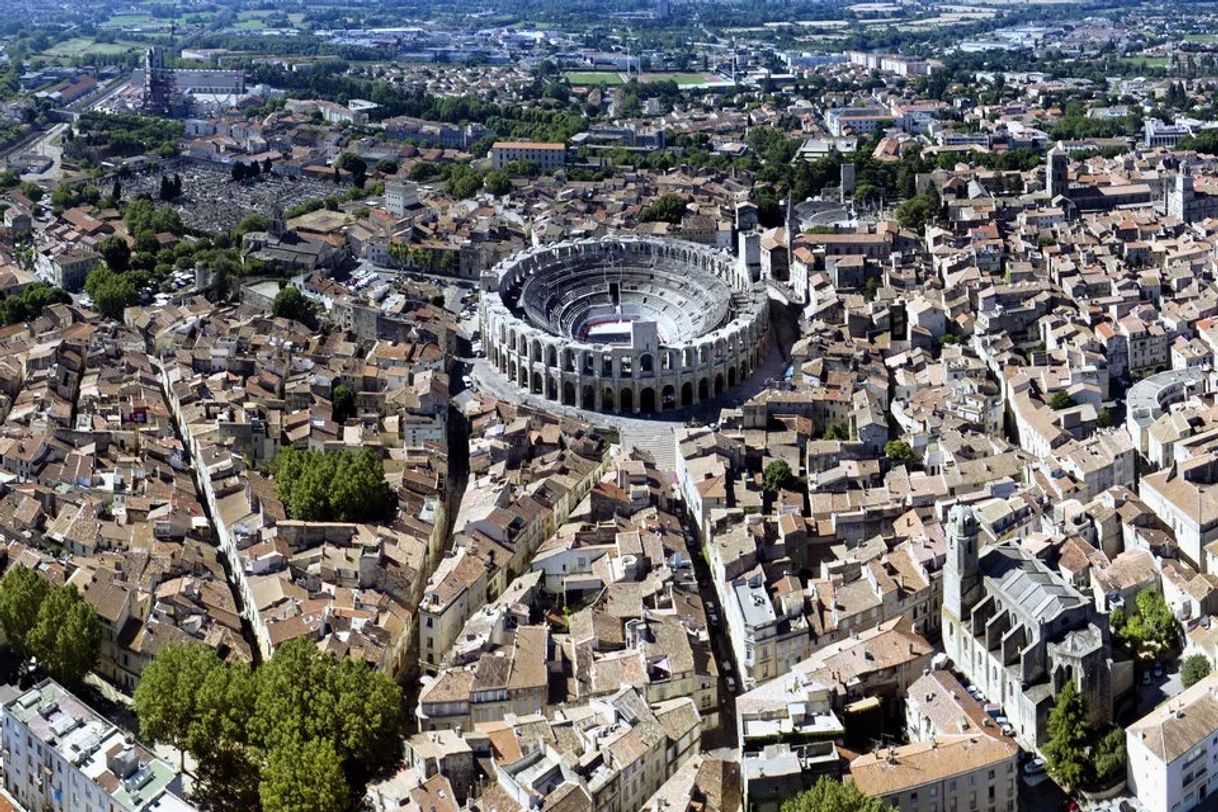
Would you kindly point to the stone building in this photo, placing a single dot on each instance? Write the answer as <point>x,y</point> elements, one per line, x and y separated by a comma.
<point>1019,631</point>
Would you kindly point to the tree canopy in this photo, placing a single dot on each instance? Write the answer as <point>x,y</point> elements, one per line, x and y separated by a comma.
<point>1147,628</point>
<point>22,592</point>
<point>916,212</point>
<point>290,303</point>
<point>342,400</point>
<point>898,451</point>
<point>112,293</point>
<point>342,486</point>
<point>777,476</point>
<point>1066,748</point>
<point>1193,669</point>
<point>666,208</point>
<point>115,252</point>
<point>831,795</point>
<point>1060,400</point>
<point>30,302</point>
<point>302,732</point>
<point>51,623</point>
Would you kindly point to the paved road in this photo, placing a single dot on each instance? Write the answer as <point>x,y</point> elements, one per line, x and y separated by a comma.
<point>50,145</point>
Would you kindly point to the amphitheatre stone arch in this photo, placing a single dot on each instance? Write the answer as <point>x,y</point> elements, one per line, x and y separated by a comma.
<point>625,323</point>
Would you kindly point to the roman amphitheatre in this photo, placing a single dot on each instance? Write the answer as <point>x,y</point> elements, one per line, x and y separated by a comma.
<point>625,325</point>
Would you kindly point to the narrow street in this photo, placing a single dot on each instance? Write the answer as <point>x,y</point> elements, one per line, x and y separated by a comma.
<point>247,629</point>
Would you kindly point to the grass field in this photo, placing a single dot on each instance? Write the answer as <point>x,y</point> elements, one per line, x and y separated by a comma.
<point>682,79</point>
<point>1147,61</point>
<point>1204,39</point>
<point>87,46</point>
<point>595,78</point>
<point>122,20</point>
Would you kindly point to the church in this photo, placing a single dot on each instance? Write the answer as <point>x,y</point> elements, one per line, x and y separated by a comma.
<point>289,251</point>
<point>1019,631</point>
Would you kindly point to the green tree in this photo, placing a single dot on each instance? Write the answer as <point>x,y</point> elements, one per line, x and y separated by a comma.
<point>1147,628</point>
<point>30,302</point>
<point>115,252</point>
<point>112,293</point>
<point>898,451</point>
<point>344,486</point>
<point>837,431</point>
<point>303,777</point>
<point>1104,418</point>
<point>356,165</point>
<point>497,182</point>
<point>32,190</point>
<point>871,289</point>
<point>67,637</point>
<point>666,208</point>
<point>463,181</point>
<point>22,593</point>
<point>168,699</point>
<point>252,222</point>
<point>303,694</point>
<point>831,795</point>
<point>343,401</point>
<point>777,476</point>
<point>1066,748</point>
<point>865,193</point>
<point>290,303</point>
<point>227,771</point>
<point>1193,669</point>
<point>1060,400</point>
<point>1108,757</point>
<point>916,212</point>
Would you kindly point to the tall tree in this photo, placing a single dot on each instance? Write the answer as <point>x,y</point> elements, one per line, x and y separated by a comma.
<point>115,251</point>
<point>169,695</point>
<point>1066,748</point>
<point>67,637</point>
<point>22,592</point>
<point>777,475</point>
<point>343,402</point>
<point>831,795</point>
<point>303,777</point>
<point>290,303</point>
<point>1195,668</point>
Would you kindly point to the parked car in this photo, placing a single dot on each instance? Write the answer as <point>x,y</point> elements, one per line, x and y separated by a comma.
<point>1158,670</point>
<point>731,685</point>
<point>1007,730</point>
<point>1034,767</point>
<point>1146,678</point>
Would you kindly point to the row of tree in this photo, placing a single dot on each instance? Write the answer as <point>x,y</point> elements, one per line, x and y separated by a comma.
<point>50,623</point>
<point>29,303</point>
<point>302,733</point>
<point>242,170</point>
<point>341,486</point>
